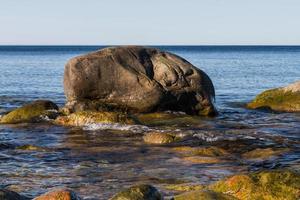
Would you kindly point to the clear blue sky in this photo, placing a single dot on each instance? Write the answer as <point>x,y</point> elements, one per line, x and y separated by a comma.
<point>106,22</point>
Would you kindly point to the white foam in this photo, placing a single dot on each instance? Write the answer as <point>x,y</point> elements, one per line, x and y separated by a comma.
<point>116,126</point>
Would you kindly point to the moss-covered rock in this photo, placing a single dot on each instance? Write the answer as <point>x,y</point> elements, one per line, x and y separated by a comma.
<point>138,192</point>
<point>10,195</point>
<point>33,112</point>
<point>89,117</point>
<point>285,99</point>
<point>203,195</point>
<point>59,194</point>
<point>265,185</point>
<point>160,138</point>
<point>266,153</point>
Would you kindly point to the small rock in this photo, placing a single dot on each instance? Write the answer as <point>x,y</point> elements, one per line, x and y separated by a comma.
<point>203,160</point>
<point>10,195</point>
<point>138,192</point>
<point>29,147</point>
<point>34,112</point>
<point>159,138</point>
<point>264,153</point>
<point>201,151</point>
<point>59,194</point>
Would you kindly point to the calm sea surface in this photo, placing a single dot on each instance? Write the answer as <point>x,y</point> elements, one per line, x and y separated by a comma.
<point>97,162</point>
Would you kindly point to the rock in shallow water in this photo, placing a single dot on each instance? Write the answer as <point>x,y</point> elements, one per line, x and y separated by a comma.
<point>137,79</point>
<point>138,192</point>
<point>10,195</point>
<point>275,185</point>
<point>285,99</point>
<point>33,112</point>
<point>87,117</point>
<point>204,195</point>
<point>159,138</point>
<point>59,194</point>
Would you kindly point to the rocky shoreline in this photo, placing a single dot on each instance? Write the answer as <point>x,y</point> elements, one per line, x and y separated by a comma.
<point>135,86</point>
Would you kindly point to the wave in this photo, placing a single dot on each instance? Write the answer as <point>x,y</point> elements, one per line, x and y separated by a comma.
<point>116,126</point>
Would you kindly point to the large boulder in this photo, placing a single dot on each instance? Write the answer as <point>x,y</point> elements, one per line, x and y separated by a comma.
<point>285,99</point>
<point>137,79</point>
<point>33,112</point>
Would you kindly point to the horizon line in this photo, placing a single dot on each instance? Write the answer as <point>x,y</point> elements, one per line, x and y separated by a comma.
<point>191,45</point>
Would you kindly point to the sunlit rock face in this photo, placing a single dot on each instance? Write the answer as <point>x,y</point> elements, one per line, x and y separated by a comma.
<point>137,79</point>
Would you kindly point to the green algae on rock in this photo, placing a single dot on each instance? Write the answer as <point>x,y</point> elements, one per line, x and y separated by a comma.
<point>286,99</point>
<point>138,192</point>
<point>203,195</point>
<point>11,195</point>
<point>89,117</point>
<point>265,185</point>
<point>32,112</point>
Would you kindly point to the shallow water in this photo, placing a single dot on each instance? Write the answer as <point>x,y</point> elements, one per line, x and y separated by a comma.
<point>97,162</point>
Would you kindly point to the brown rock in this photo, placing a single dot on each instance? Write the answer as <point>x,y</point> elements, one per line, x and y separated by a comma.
<point>59,194</point>
<point>137,79</point>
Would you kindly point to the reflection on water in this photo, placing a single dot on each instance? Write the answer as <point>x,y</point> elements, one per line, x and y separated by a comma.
<point>97,162</point>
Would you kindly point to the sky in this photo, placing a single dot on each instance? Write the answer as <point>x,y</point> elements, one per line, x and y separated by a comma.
<point>150,22</point>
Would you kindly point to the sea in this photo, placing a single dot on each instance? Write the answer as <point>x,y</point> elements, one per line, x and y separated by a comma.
<point>99,160</point>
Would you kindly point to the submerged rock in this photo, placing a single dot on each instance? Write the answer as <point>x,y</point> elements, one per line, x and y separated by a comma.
<point>274,185</point>
<point>88,117</point>
<point>11,195</point>
<point>137,79</point>
<point>34,112</point>
<point>160,138</point>
<point>279,99</point>
<point>202,155</point>
<point>201,151</point>
<point>266,153</point>
<point>138,192</point>
<point>204,195</point>
<point>59,194</point>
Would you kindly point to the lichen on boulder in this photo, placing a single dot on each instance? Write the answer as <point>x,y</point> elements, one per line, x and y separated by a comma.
<point>138,192</point>
<point>285,99</point>
<point>33,112</point>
